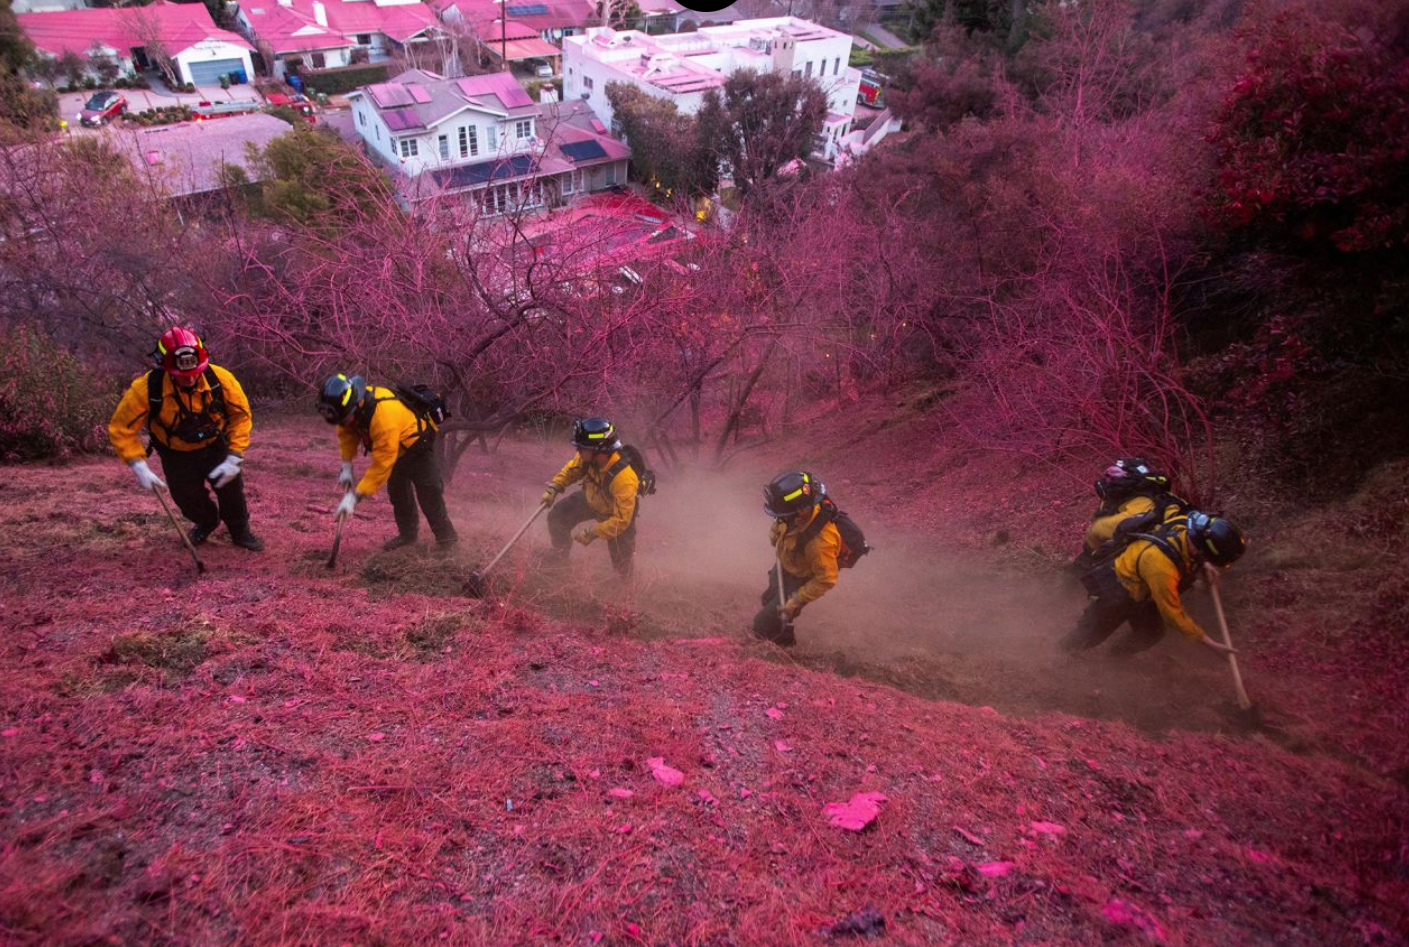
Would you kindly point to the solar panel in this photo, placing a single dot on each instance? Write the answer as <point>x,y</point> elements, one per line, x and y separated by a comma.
<point>418,93</point>
<point>401,119</point>
<point>527,9</point>
<point>471,174</point>
<point>390,95</point>
<point>583,150</point>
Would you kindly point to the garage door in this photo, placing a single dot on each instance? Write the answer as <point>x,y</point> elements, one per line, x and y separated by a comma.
<point>209,73</point>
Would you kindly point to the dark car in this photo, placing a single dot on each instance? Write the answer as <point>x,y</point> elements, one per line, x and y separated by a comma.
<point>102,107</point>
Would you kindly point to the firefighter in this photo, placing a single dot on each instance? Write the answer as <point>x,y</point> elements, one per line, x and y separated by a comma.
<point>402,445</point>
<point>806,543</point>
<point>610,486</point>
<point>1143,582</point>
<point>199,423</point>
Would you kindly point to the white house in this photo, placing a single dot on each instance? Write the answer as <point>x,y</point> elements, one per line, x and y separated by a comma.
<point>484,136</point>
<point>200,51</point>
<point>324,34</point>
<point>682,67</point>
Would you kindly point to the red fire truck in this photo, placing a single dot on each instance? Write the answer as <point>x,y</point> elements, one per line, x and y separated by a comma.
<point>873,89</point>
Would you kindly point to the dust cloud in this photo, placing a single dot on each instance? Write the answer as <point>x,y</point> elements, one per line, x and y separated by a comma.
<point>917,613</point>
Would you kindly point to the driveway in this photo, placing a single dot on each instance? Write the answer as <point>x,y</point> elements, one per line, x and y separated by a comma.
<point>138,100</point>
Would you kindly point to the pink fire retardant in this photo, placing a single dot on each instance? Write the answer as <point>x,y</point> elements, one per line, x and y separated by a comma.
<point>857,813</point>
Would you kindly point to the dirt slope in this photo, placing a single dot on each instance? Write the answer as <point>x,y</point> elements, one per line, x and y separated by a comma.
<point>277,752</point>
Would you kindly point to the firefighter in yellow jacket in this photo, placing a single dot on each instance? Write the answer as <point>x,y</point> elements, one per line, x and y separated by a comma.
<point>402,445</point>
<point>806,544</point>
<point>1143,583</point>
<point>609,491</point>
<point>199,421</point>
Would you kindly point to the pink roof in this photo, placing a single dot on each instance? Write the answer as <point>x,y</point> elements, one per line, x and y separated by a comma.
<point>181,26</point>
<point>536,15</point>
<point>295,28</point>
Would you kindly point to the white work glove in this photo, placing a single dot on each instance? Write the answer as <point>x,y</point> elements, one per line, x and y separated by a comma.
<point>549,496</point>
<point>586,535</point>
<point>345,478</point>
<point>227,470</point>
<point>145,478</point>
<point>348,504</point>
<point>1218,646</point>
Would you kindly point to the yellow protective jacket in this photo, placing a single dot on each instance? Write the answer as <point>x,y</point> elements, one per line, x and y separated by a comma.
<point>131,415</point>
<point>392,429</point>
<point>1102,527</point>
<point>613,501</point>
<point>816,561</point>
<point>1147,573</point>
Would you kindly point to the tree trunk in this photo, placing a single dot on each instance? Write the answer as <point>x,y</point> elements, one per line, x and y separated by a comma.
<point>732,422</point>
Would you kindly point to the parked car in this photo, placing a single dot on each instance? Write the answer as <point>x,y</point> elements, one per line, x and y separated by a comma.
<point>298,102</point>
<point>542,70</point>
<point>102,107</point>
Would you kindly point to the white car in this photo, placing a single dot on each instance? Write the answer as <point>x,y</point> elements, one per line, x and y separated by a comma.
<point>542,70</point>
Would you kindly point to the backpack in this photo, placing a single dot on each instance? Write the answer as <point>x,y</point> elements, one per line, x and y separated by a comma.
<point>633,458</point>
<point>425,402</point>
<point>1160,535</point>
<point>198,431</point>
<point>853,541</point>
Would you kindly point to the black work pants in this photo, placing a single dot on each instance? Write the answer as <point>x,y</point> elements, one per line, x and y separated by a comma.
<point>768,623</point>
<point>572,510</point>
<point>415,478</point>
<point>185,474</point>
<point>1110,607</point>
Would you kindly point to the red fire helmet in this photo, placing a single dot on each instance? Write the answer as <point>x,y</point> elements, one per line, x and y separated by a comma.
<point>182,353</point>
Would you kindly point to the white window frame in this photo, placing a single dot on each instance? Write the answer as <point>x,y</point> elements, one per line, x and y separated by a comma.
<point>442,144</point>
<point>408,147</point>
<point>523,128</point>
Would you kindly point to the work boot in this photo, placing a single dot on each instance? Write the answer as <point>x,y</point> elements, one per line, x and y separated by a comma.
<point>246,540</point>
<point>199,534</point>
<point>446,547</point>
<point>396,542</point>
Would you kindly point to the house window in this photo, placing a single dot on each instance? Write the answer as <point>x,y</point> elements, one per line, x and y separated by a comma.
<point>409,148</point>
<point>362,118</point>
<point>523,129</point>
<point>319,60</point>
<point>469,141</point>
<point>569,184</point>
<point>807,68</point>
<point>378,130</point>
<point>836,67</point>
<point>587,83</point>
<point>611,175</point>
<point>443,145</point>
<point>493,133</point>
<point>364,39</point>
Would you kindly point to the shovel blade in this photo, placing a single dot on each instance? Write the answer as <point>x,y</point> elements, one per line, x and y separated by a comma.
<point>476,584</point>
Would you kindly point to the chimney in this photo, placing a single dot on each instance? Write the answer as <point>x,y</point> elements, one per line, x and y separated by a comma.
<point>319,13</point>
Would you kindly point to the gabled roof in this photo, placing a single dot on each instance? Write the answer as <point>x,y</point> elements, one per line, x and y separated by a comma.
<point>293,26</point>
<point>417,99</point>
<point>180,26</point>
